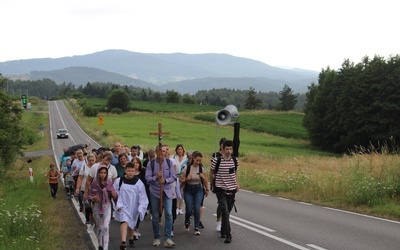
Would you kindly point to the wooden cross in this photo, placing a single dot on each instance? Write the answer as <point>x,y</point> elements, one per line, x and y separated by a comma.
<point>160,158</point>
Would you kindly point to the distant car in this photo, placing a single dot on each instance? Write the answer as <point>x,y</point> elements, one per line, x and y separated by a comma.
<point>62,133</point>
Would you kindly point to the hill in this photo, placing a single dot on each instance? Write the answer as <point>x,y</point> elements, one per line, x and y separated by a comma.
<point>171,71</point>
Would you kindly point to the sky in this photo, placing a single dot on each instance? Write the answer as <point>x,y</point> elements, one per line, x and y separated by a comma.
<point>306,34</point>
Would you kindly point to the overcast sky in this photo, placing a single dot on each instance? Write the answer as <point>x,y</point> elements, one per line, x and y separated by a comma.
<point>307,34</point>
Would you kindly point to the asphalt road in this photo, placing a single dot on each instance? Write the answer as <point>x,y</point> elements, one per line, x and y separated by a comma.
<point>262,221</point>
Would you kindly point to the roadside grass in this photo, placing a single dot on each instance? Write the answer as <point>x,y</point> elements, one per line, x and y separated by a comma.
<point>270,164</point>
<point>30,219</point>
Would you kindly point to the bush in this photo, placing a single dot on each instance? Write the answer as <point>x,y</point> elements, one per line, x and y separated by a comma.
<point>117,111</point>
<point>90,111</point>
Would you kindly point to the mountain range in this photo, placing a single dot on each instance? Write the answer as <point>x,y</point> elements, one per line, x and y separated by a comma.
<point>184,73</point>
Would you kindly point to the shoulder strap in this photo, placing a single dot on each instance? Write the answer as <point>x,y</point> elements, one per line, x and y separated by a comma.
<point>152,166</point>
<point>169,166</point>
<point>236,162</point>
<point>187,170</point>
<point>120,182</point>
<point>217,164</point>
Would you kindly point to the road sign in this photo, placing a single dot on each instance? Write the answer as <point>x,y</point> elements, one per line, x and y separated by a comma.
<point>100,121</point>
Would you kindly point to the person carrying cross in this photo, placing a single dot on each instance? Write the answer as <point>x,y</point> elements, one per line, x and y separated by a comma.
<point>160,174</point>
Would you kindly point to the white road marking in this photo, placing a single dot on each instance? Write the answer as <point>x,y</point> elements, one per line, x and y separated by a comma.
<point>363,215</point>
<point>269,235</point>
<point>316,247</point>
<point>266,195</point>
<point>283,199</point>
<point>253,224</point>
<point>305,203</point>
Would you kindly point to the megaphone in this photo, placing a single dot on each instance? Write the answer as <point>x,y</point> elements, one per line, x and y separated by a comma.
<point>225,115</point>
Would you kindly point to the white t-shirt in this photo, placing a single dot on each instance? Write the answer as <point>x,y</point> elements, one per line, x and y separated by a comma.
<point>85,172</point>
<point>112,171</point>
<point>77,165</point>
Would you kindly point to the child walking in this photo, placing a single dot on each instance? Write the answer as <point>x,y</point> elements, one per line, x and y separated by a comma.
<point>53,176</point>
<point>99,193</point>
<point>131,205</point>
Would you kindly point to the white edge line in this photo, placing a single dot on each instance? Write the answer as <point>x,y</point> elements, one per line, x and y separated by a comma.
<point>305,203</point>
<point>270,235</point>
<point>363,215</point>
<point>92,236</point>
<point>283,199</point>
<point>316,247</point>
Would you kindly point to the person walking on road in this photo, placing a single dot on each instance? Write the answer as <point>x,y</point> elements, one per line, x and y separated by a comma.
<point>164,175</point>
<point>131,205</point>
<point>100,192</point>
<point>53,174</point>
<point>224,183</point>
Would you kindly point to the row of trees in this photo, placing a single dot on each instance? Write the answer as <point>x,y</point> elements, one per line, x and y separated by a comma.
<point>48,89</point>
<point>356,106</point>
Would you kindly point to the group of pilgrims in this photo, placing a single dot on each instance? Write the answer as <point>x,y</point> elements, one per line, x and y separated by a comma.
<point>126,184</point>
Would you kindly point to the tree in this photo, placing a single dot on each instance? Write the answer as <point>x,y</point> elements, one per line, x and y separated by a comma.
<point>118,99</point>
<point>172,96</point>
<point>11,133</point>
<point>252,102</point>
<point>288,99</point>
<point>356,106</point>
<point>186,98</point>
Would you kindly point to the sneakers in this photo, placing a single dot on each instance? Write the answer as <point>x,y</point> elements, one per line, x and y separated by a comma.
<point>179,212</point>
<point>172,234</point>
<point>131,243</point>
<point>228,239</point>
<point>169,243</point>
<point>218,226</point>
<point>187,227</point>
<point>137,233</point>
<point>157,242</point>
<point>122,246</point>
<point>196,232</point>
<point>90,229</point>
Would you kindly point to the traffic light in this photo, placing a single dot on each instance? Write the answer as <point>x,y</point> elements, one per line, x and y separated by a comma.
<point>24,101</point>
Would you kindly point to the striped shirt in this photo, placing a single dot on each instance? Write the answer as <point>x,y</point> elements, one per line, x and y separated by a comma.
<point>225,178</point>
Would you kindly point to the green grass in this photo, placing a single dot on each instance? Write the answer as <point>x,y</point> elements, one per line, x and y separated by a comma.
<point>284,124</point>
<point>156,107</point>
<point>135,128</point>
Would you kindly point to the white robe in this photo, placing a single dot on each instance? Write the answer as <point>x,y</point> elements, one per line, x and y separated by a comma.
<point>132,200</point>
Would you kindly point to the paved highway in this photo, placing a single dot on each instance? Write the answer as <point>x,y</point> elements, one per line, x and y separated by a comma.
<point>262,221</point>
